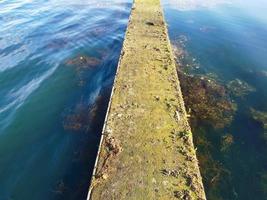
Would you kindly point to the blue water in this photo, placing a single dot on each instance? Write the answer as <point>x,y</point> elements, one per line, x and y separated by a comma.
<point>227,40</point>
<point>57,64</point>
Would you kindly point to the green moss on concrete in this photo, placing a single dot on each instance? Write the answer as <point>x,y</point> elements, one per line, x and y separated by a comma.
<point>146,150</point>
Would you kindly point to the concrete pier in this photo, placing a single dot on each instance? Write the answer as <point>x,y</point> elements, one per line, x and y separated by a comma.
<point>146,149</point>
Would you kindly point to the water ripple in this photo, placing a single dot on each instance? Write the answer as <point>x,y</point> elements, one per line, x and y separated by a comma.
<point>44,85</point>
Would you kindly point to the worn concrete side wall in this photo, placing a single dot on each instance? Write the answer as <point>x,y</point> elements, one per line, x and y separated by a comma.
<point>146,149</point>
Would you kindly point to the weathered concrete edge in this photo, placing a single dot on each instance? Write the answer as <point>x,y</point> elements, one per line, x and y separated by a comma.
<point>108,110</point>
<point>182,98</point>
<point>111,97</point>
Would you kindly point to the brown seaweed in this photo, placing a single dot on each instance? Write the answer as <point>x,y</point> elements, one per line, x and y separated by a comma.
<point>207,101</point>
<point>209,104</point>
<point>82,116</point>
<point>83,62</point>
<point>215,175</point>
<point>226,142</point>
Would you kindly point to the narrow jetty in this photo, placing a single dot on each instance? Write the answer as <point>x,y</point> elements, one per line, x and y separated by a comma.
<point>146,150</point>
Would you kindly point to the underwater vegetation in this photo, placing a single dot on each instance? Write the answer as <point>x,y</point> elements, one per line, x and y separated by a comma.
<point>260,117</point>
<point>209,105</point>
<point>226,142</point>
<point>214,175</point>
<point>207,101</point>
<point>83,61</point>
<point>58,61</point>
<point>83,116</point>
<point>239,88</point>
<point>83,121</point>
<point>212,104</point>
<point>82,64</point>
<point>220,53</point>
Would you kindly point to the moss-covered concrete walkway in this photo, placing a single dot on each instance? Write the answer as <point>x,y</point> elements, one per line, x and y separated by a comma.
<point>146,149</point>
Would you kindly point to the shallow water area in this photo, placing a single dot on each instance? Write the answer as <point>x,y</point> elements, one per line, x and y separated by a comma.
<point>220,48</point>
<point>57,65</point>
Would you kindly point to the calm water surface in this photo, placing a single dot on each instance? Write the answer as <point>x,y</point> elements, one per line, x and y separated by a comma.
<point>57,64</point>
<point>224,44</point>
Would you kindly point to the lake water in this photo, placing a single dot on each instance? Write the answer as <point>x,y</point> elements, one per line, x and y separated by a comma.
<point>221,48</point>
<point>57,64</point>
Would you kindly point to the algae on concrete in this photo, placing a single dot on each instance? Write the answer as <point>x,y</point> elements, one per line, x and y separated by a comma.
<point>146,148</point>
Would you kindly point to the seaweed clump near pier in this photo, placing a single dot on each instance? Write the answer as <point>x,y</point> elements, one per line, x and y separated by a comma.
<point>211,111</point>
<point>83,62</point>
<point>207,101</point>
<point>79,119</point>
<point>84,118</point>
